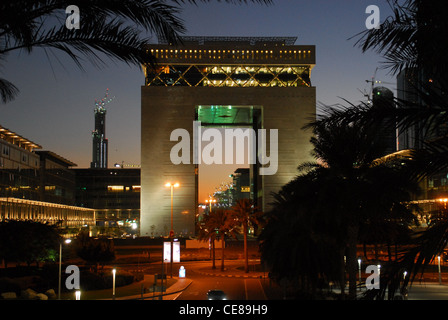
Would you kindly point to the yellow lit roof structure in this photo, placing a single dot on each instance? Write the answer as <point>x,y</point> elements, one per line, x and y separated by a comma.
<point>231,62</point>
<point>18,140</point>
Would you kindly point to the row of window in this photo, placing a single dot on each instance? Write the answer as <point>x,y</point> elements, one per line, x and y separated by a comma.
<point>18,156</point>
<point>231,54</point>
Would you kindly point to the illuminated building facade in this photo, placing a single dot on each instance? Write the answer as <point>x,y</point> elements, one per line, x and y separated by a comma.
<point>19,166</point>
<point>37,185</point>
<point>241,184</point>
<point>244,82</point>
<point>113,193</point>
<point>57,179</point>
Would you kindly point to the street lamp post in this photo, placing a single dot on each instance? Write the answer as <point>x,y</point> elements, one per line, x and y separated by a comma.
<point>210,202</point>
<point>359,272</point>
<point>172,186</point>
<point>212,252</point>
<point>60,266</point>
<point>440,275</point>
<point>113,283</point>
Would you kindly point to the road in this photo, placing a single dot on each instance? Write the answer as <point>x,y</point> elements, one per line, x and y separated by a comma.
<point>428,291</point>
<point>239,288</point>
<point>235,288</point>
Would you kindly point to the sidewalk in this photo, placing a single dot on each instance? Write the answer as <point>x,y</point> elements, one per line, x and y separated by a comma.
<point>134,291</point>
<point>175,287</point>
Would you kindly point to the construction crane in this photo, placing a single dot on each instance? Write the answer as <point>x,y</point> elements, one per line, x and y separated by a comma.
<point>103,102</point>
<point>372,82</point>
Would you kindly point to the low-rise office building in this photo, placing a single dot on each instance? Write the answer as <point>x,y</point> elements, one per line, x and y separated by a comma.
<point>37,185</point>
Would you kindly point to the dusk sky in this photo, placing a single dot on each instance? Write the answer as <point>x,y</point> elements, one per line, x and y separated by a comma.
<point>56,100</point>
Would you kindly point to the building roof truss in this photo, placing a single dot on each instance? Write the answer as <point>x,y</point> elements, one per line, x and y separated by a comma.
<point>275,76</point>
<point>251,74</point>
<point>204,75</point>
<point>182,76</point>
<point>157,76</point>
<point>251,71</point>
<point>228,76</point>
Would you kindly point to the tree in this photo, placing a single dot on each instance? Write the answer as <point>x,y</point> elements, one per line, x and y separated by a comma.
<point>297,245</point>
<point>27,241</point>
<point>370,191</point>
<point>246,214</point>
<point>334,197</point>
<point>113,28</point>
<point>412,38</point>
<point>94,251</point>
<point>224,224</point>
<point>207,232</point>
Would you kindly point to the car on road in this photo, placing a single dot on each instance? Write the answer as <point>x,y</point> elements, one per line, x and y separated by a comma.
<point>216,295</point>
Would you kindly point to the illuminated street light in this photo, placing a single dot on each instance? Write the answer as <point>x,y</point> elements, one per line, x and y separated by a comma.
<point>210,202</point>
<point>60,266</point>
<point>440,275</point>
<point>172,186</point>
<point>78,295</point>
<point>444,201</point>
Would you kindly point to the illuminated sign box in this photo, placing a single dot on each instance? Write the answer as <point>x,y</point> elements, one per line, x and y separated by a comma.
<point>167,252</point>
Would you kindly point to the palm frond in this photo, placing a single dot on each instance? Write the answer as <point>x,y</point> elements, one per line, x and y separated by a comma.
<point>268,2</point>
<point>109,28</point>
<point>8,91</point>
<point>394,39</point>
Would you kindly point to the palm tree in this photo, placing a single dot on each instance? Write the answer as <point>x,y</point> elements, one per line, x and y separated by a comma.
<point>111,28</point>
<point>299,245</point>
<point>207,232</point>
<point>246,214</point>
<point>412,38</point>
<point>335,196</point>
<point>371,190</point>
<point>224,224</point>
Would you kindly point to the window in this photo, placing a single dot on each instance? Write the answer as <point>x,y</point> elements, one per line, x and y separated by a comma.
<point>5,150</point>
<point>115,188</point>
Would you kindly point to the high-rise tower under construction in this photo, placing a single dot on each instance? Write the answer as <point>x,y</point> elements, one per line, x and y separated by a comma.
<point>99,145</point>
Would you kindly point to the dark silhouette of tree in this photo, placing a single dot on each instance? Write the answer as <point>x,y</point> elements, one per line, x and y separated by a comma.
<point>224,223</point>
<point>108,28</point>
<point>323,209</point>
<point>295,248</point>
<point>94,251</point>
<point>247,214</point>
<point>411,38</point>
<point>28,241</point>
<point>207,232</point>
